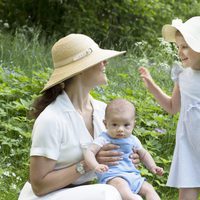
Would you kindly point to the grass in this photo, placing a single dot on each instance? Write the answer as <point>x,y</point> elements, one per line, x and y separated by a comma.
<point>25,64</point>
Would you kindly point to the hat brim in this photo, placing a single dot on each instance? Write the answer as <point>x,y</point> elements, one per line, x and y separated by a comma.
<point>67,71</point>
<point>168,32</point>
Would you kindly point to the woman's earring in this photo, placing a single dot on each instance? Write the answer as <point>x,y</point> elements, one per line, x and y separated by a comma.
<point>62,85</point>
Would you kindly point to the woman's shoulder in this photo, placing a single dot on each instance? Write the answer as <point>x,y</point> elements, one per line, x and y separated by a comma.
<point>99,105</point>
<point>49,115</point>
<point>56,110</point>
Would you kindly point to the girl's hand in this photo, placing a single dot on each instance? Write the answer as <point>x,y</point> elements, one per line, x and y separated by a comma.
<point>146,77</point>
<point>108,155</point>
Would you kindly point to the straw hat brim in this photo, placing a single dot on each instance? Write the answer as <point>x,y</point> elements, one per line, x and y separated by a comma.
<point>67,71</point>
<point>168,33</point>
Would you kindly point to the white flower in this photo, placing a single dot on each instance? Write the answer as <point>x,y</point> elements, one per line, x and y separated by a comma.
<point>13,186</point>
<point>177,22</point>
<point>8,164</point>
<point>6,25</point>
<point>6,173</point>
<point>18,178</point>
<point>13,174</point>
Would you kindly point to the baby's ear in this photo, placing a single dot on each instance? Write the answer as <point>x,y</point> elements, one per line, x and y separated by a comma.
<point>104,121</point>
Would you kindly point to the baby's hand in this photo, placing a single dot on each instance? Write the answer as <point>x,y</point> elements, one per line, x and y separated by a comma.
<point>157,170</point>
<point>101,168</point>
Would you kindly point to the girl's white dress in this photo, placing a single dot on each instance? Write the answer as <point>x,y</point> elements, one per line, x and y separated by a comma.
<point>185,168</point>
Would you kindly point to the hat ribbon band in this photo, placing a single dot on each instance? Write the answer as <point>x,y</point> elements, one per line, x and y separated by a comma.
<point>76,57</point>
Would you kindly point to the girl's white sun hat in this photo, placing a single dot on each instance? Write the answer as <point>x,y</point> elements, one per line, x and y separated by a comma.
<point>190,31</point>
<point>73,54</point>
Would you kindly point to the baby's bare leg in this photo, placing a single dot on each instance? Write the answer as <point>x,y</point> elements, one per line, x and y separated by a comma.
<point>189,193</point>
<point>148,192</point>
<point>123,187</point>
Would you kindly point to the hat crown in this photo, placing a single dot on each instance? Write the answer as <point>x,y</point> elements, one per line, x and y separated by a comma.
<point>194,21</point>
<point>192,25</point>
<point>67,48</point>
<point>191,32</point>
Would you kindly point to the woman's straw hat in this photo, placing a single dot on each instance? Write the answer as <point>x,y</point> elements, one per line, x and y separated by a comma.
<point>190,31</point>
<point>73,54</point>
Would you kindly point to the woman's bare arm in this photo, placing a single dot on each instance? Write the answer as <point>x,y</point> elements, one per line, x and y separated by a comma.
<point>45,179</point>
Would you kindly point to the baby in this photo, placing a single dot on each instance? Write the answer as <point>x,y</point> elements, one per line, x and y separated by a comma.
<point>120,121</point>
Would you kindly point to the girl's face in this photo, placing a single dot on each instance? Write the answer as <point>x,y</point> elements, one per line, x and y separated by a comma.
<point>188,57</point>
<point>95,75</point>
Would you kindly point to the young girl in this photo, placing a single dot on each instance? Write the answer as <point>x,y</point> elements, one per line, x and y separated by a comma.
<point>185,168</point>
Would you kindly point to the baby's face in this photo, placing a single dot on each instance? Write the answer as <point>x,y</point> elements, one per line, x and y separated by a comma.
<point>120,125</point>
<point>188,57</point>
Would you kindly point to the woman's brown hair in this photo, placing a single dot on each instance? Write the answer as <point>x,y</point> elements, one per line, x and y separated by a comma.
<point>46,98</point>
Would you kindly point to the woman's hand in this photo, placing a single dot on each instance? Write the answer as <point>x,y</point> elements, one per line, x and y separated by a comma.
<point>108,156</point>
<point>135,157</point>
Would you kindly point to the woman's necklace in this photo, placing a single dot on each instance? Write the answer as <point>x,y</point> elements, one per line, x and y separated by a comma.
<point>88,117</point>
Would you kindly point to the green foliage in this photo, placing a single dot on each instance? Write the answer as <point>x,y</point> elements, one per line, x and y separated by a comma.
<point>17,90</point>
<point>25,64</point>
<point>111,23</point>
<point>23,70</point>
<point>25,50</point>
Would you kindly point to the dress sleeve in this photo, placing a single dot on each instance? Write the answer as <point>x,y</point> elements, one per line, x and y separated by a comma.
<point>137,143</point>
<point>46,138</point>
<point>100,141</point>
<point>175,72</point>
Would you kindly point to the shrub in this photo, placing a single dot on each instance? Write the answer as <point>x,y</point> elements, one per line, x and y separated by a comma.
<point>113,23</point>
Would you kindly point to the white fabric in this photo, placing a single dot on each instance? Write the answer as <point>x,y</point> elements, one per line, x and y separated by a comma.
<point>58,133</point>
<point>87,192</point>
<point>176,70</point>
<point>185,168</point>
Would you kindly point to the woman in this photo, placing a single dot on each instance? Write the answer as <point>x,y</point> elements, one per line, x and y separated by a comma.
<point>67,118</point>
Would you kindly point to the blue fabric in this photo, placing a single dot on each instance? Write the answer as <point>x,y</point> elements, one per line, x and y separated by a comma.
<point>125,169</point>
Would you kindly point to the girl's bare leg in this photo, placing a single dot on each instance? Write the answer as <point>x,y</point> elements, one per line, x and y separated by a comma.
<point>123,187</point>
<point>148,192</point>
<point>189,193</point>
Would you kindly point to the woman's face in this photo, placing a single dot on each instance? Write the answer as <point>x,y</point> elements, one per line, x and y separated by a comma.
<point>95,75</point>
<point>188,57</point>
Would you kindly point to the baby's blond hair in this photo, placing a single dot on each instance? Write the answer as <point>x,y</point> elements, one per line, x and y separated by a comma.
<point>119,105</point>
